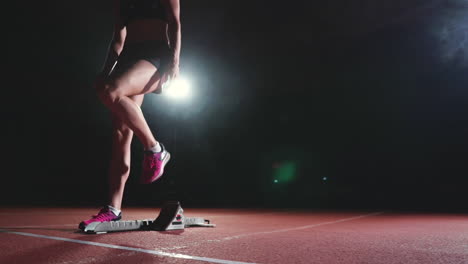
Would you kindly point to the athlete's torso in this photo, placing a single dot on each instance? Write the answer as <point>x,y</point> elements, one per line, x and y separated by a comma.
<point>131,10</point>
<point>144,19</point>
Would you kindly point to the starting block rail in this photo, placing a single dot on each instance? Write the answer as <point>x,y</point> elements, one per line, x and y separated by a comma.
<point>171,217</point>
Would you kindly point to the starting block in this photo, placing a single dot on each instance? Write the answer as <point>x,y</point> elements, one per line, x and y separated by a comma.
<point>171,217</point>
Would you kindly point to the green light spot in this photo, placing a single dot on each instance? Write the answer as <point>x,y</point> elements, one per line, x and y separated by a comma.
<point>275,181</point>
<point>286,172</point>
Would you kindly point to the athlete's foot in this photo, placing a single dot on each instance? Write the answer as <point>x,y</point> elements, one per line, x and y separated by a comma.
<point>153,165</point>
<point>104,215</point>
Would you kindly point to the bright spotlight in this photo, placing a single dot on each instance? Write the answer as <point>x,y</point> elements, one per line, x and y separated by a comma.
<point>177,89</point>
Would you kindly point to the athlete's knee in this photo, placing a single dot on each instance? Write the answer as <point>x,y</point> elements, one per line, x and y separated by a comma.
<point>108,93</point>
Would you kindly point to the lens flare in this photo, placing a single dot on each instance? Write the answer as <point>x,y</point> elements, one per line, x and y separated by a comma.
<point>177,89</point>
<point>451,30</point>
<point>285,172</point>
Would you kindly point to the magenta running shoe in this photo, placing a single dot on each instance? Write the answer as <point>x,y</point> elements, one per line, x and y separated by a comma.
<point>105,215</point>
<point>153,165</point>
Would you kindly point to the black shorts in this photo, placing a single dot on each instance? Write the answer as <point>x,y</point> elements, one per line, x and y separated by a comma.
<point>157,53</point>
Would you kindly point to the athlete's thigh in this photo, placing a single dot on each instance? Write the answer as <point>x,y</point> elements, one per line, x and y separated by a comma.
<point>139,78</point>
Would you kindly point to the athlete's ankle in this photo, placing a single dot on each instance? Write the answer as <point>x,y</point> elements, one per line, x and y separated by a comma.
<point>154,148</point>
<point>114,210</point>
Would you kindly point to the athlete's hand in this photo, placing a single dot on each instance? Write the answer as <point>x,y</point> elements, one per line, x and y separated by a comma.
<point>172,71</point>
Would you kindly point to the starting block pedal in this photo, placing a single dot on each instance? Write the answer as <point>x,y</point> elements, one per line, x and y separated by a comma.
<point>171,217</point>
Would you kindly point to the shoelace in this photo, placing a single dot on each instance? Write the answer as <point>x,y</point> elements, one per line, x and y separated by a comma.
<point>102,214</point>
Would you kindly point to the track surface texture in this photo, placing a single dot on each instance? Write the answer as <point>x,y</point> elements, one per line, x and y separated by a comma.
<point>50,235</point>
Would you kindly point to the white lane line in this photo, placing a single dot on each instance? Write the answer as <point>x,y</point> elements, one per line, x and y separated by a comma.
<point>272,231</point>
<point>148,251</point>
<point>37,226</point>
<point>38,213</point>
<point>305,227</point>
<point>191,214</point>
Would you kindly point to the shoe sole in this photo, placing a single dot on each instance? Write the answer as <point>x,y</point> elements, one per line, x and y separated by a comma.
<point>165,161</point>
<point>82,225</point>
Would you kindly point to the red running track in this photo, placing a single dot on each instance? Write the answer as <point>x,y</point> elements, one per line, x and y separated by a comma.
<point>49,235</point>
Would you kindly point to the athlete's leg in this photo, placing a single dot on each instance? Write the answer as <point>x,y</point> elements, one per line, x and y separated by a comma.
<point>141,78</point>
<point>119,168</point>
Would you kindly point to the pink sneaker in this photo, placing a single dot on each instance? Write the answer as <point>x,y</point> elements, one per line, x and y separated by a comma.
<point>153,165</point>
<point>105,215</point>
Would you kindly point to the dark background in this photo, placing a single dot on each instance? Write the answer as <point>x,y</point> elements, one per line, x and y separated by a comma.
<point>369,95</point>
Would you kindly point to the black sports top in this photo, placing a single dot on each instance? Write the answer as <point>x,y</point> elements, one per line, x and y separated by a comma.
<point>138,9</point>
